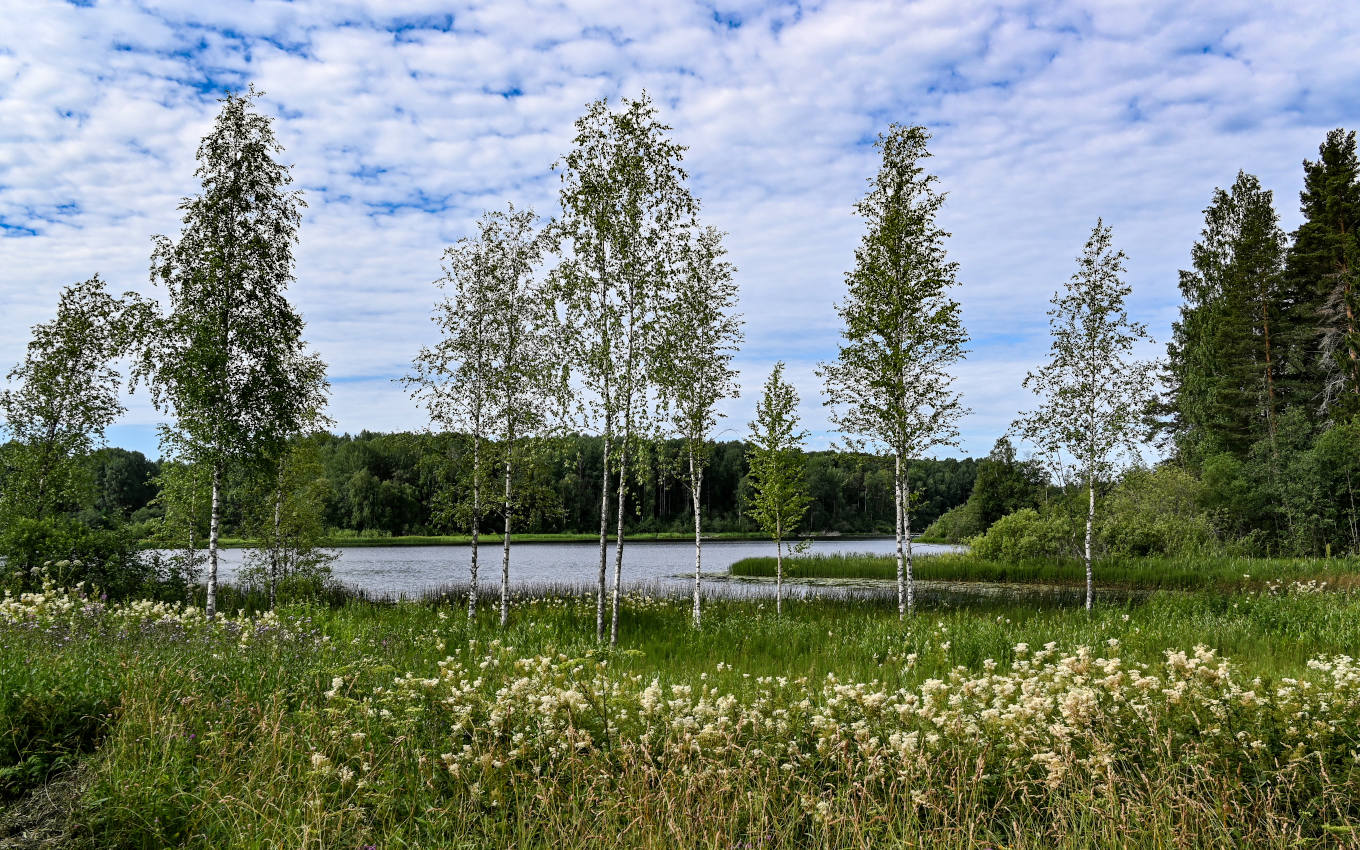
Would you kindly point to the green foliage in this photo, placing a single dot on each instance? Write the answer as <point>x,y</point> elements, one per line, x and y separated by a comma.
<point>50,713</point>
<point>955,525</point>
<point>778,489</point>
<point>228,360</point>
<point>1324,277</point>
<point>287,521</point>
<point>70,552</point>
<point>1229,352</point>
<point>891,384</point>
<point>1028,535</point>
<point>1156,512</point>
<point>62,397</point>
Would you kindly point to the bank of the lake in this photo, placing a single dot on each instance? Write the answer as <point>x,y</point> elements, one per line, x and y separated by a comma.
<point>492,538</point>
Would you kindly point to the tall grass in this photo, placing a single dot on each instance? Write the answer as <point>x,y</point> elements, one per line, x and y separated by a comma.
<point>1163,573</point>
<point>305,732</point>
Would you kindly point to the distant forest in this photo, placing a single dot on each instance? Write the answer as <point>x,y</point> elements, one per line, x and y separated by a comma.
<point>399,483</point>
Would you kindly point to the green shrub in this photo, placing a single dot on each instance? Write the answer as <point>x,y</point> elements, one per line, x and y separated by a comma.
<point>71,552</point>
<point>1155,512</point>
<point>955,525</point>
<point>1027,535</point>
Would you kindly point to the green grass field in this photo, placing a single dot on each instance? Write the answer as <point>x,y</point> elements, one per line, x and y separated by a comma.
<point>986,723</point>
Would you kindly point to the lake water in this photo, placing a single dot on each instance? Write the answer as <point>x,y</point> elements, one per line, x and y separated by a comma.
<point>410,570</point>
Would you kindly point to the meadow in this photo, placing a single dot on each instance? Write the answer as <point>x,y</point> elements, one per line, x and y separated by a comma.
<point>1231,717</point>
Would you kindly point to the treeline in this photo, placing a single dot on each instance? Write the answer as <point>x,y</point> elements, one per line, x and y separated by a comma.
<point>406,483</point>
<point>1259,417</point>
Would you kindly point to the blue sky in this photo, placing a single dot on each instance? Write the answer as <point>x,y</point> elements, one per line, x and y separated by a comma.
<point>405,119</point>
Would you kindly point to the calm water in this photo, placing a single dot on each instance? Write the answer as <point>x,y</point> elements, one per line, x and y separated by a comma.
<point>409,570</point>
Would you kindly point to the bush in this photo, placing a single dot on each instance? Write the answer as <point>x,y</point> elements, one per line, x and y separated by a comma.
<point>69,552</point>
<point>955,525</point>
<point>1026,535</point>
<point>1155,512</point>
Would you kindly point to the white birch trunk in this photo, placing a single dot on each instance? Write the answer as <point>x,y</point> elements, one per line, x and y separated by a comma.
<point>1090,522</point>
<point>476,515</point>
<point>618,542</point>
<point>505,543</point>
<point>897,522</point>
<point>906,538</point>
<point>696,477</point>
<point>214,527</point>
<point>623,487</point>
<point>604,534</point>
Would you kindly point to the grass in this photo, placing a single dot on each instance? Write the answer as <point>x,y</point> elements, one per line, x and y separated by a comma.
<point>303,730</point>
<point>1169,573</point>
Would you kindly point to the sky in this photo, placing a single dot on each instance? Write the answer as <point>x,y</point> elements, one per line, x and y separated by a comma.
<point>404,119</point>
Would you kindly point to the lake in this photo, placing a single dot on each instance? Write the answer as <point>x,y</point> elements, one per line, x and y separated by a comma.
<point>410,570</point>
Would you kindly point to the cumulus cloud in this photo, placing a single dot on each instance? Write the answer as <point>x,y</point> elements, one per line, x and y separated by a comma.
<point>404,119</point>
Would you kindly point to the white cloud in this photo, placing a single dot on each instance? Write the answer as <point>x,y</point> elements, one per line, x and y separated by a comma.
<point>1044,115</point>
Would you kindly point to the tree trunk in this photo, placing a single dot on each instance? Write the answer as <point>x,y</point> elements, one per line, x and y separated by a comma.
<point>277,544</point>
<point>505,543</point>
<point>618,542</point>
<point>476,515</point>
<point>1270,377</point>
<point>1090,523</point>
<point>906,538</point>
<point>214,527</point>
<point>696,477</point>
<point>901,557</point>
<point>191,556</point>
<point>778,568</point>
<point>604,534</point>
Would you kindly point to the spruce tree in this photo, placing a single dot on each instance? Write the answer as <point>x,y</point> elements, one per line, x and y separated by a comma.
<point>1227,362</point>
<point>1324,279</point>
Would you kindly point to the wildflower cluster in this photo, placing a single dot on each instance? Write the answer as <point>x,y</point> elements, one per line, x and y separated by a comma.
<point>76,610</point>
<point>1049,722</point>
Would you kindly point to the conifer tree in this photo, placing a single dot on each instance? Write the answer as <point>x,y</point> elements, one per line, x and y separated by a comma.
<point>1324,278</point>
<point>1227,354</point>
<point>774,454</point>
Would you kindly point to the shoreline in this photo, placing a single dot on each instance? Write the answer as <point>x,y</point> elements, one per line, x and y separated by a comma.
<point>495,539</point>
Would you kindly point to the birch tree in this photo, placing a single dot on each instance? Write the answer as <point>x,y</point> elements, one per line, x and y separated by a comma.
<point>700,334</point>
<point>63,395</point>
<point>453,378</point>
<point>288,518</point>
<point>527,388</point>
<point>891,386</point>
<point>1093,394</point>
<point>625,213</point>
<point>779,496</point>
<point>228,360</point>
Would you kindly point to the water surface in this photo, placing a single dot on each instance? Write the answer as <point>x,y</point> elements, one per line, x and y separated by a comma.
<point>411,570</point>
